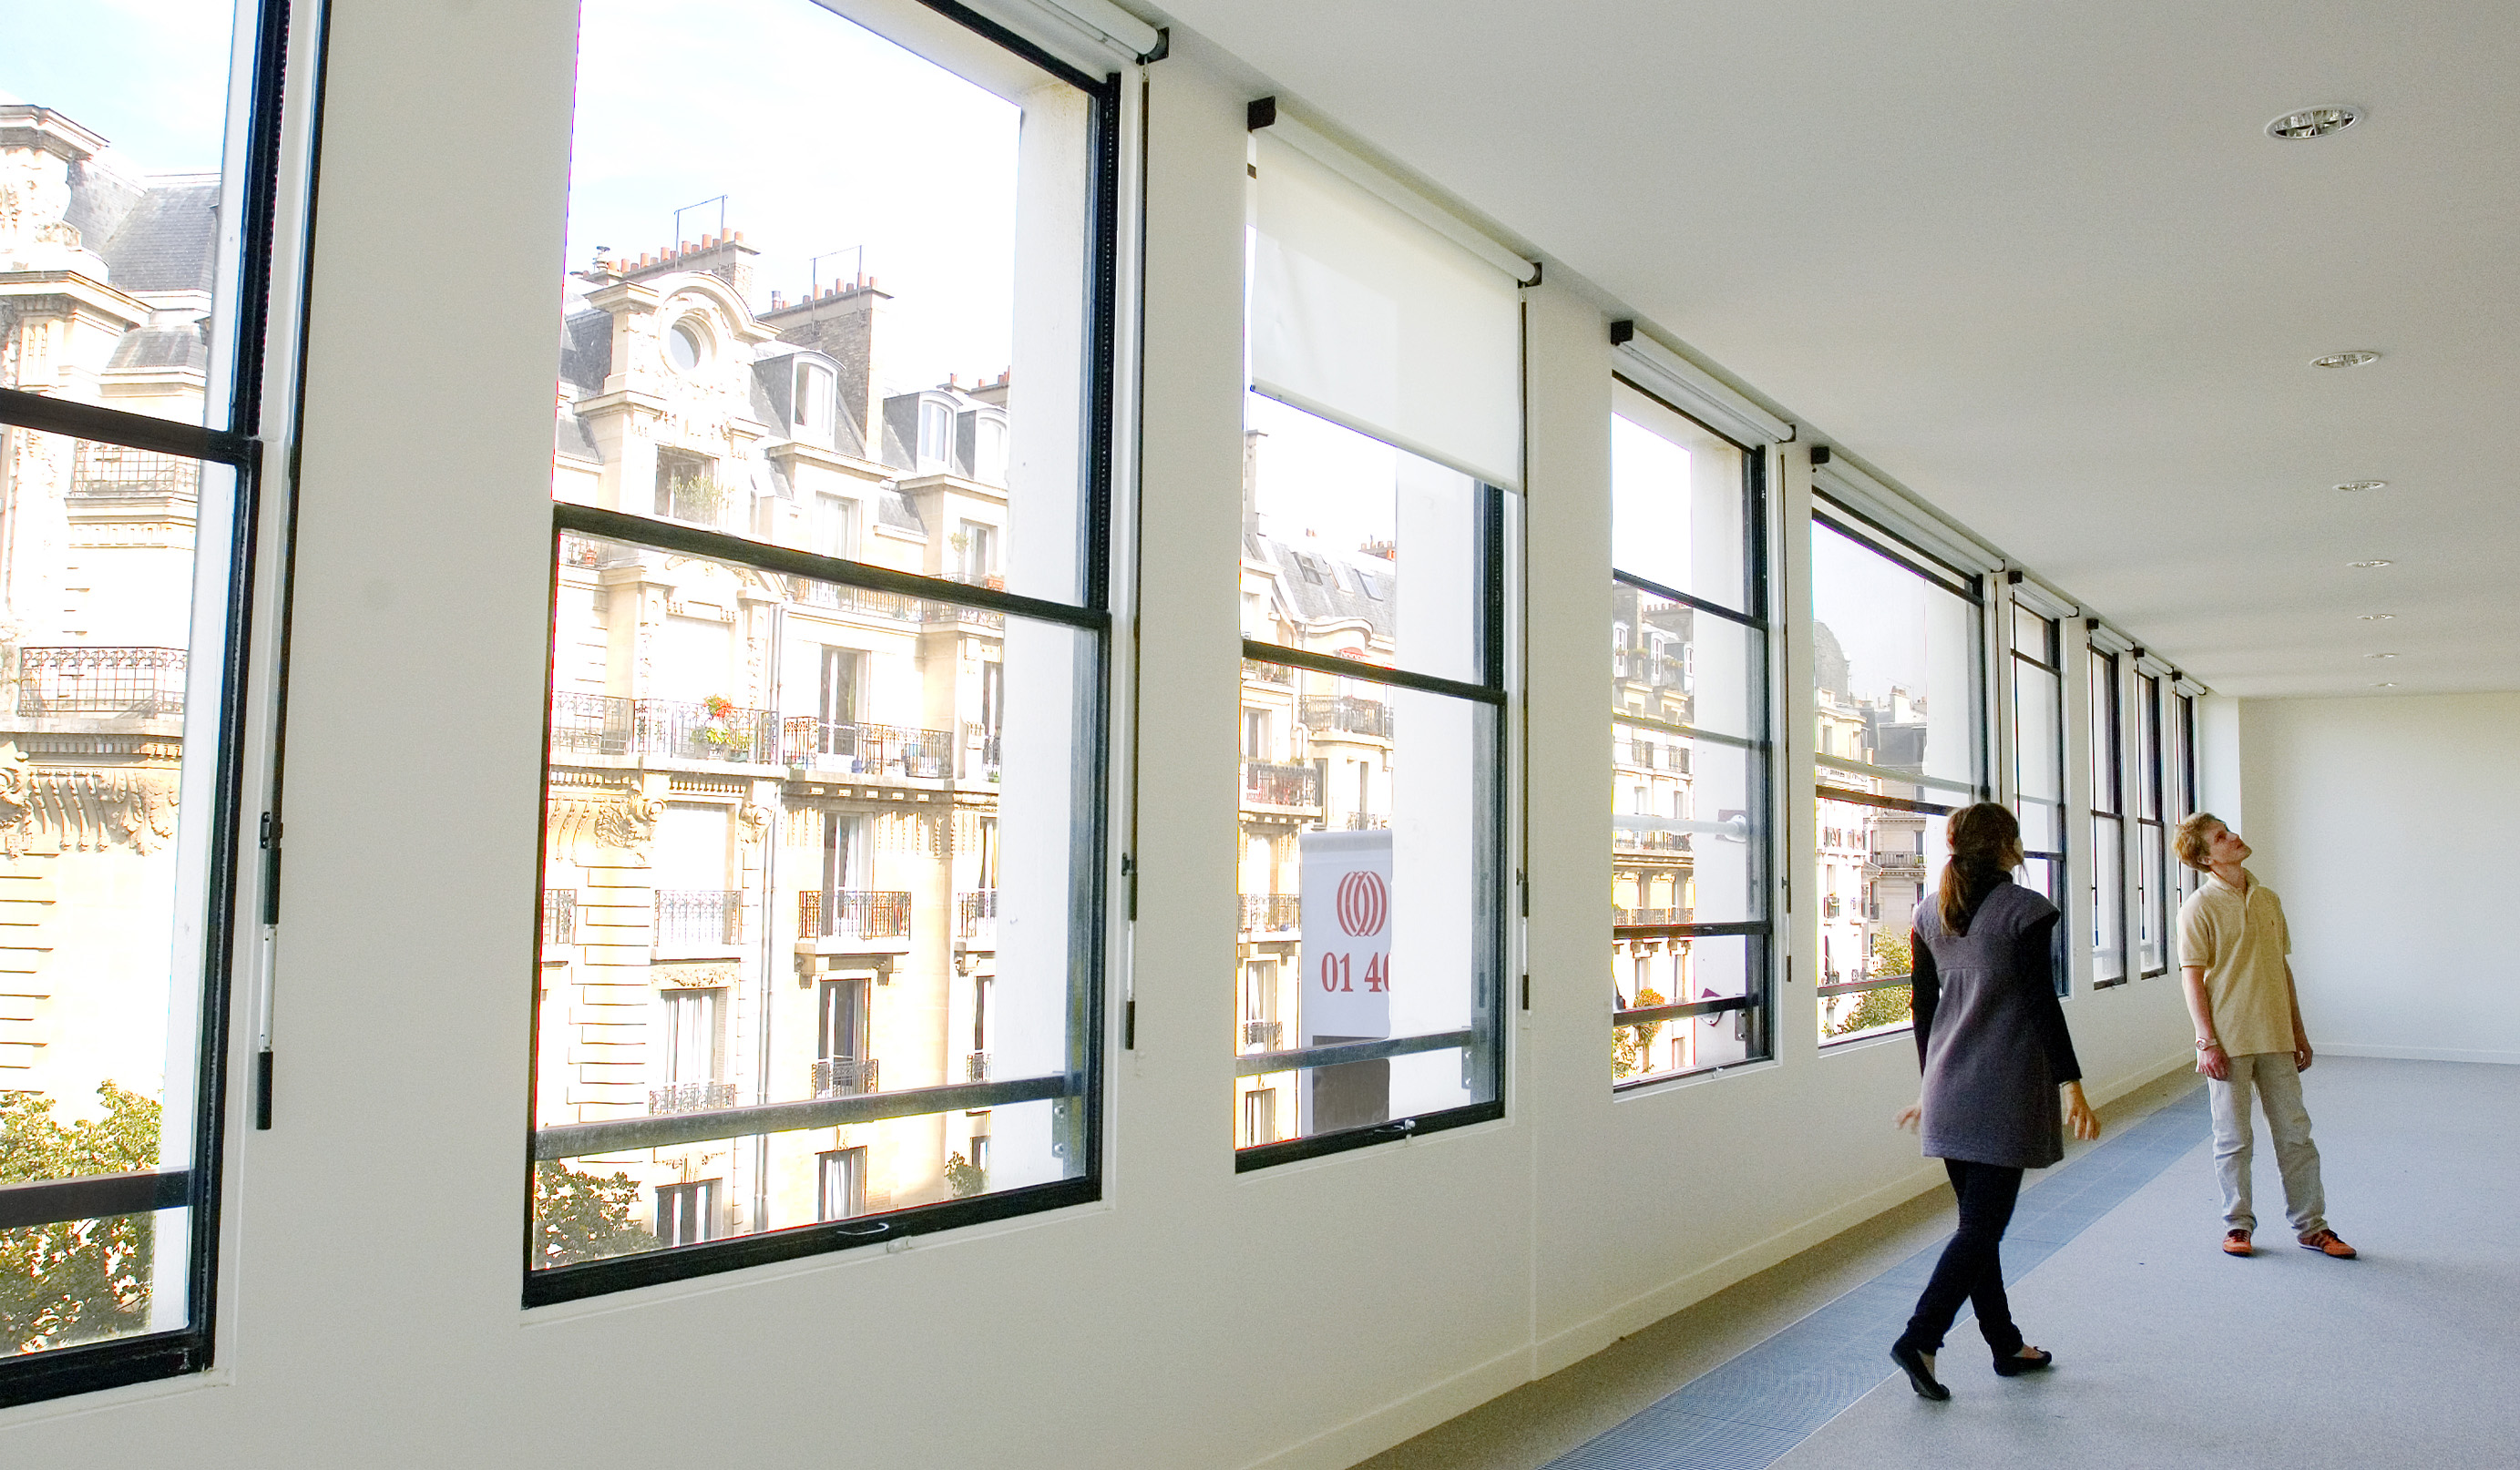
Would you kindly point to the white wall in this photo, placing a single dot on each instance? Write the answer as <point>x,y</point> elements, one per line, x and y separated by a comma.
<point>1301,1317</point>
<point>2386,825</point>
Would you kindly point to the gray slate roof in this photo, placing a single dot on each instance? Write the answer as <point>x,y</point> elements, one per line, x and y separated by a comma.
<point>165,241</point>
<point>160,348</point>
<point>1322,585</point>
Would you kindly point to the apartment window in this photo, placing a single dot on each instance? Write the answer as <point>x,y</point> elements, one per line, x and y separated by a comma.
<point>2039,759</point>
<point>1901,706</point>
<point>813,686</point>
<point>2108,822</point>
<point>1259,1117</point>
<point>131,413</point>
<point>1373,447</point>
<point>989,451</point>
<point>839,1184</point>
<point>814,389</point>
<point>1692,930</point>
<point>688,486</point>
<point>2152,834</point>
<point>687,1214</point>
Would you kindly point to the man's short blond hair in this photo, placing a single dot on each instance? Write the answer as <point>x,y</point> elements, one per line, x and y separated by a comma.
<point>2194,843</point>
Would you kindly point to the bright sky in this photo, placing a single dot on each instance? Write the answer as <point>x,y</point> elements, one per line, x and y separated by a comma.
<point>151,76</point>
<point>1877,610</point>
<point>1650,505</point>
<point>1317,476</point>
<point>823,138</point>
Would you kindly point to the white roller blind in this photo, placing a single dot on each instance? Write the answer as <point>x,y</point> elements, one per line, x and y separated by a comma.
<point>1370,319</point>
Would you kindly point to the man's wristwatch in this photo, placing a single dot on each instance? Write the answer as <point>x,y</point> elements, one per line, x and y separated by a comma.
<point>2208,1046</point>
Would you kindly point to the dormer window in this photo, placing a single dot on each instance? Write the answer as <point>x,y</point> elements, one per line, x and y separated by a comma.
<point>936,433</point>
<point>989,451</point>
<point>813,402</point>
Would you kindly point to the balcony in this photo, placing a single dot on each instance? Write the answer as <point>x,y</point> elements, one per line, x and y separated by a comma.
<point>559,916</point>
<point>699,918</point>
<point>1626,917</point>
<point>1342,712</point>
<point>1262,1036</point>
<point>847,1076</point>
<point>975,915</point>
<point>1367,822</point>
<point>1898,862</point>
<point>982,742</point>
<point>865,749</point>
<point>1649,842</point>
<point>1256,672</point>
<point>1832,906</point>
<point>114,683</point>
<point>1272,912</point>
<point>976,1066</point>
<point>854,913</point>
<point>666,729</point>
<point>691,1096</point>
<point>1269,785</point>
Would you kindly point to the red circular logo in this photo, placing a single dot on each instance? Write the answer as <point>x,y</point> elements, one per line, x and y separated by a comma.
<point>1363,903</point>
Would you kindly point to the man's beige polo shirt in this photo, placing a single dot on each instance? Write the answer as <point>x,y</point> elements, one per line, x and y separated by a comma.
<point>2241,941</point>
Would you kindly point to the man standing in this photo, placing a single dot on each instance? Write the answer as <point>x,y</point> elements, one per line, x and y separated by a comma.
<point>2249,1037</point>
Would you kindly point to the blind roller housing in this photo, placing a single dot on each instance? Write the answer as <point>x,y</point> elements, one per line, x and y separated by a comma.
<point>1370,318</point>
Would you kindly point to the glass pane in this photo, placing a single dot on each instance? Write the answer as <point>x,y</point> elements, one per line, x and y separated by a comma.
<point>2039,752</point>
<point>1875,865</point>
<point>2106,794</point>
<point>2147,746</point>
<point>1368,900</point>
<point>1679,501</point>
<point>1894,669</point>
<point>1328,517</point>
<point>790,823</point>
<point>2109,897</point>
<point>1648,971</point>
<point>118,152</point>
<point>1687,838</point>
<point>2149,903</point>
<point>1675,665</point>
<point>2033,636</point>
<point>849,350</point>
<point>107,769</point>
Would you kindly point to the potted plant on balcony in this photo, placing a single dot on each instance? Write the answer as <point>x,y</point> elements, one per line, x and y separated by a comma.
<point>720,730</point>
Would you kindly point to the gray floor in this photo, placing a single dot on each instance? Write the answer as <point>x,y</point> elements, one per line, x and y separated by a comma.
<point>2169,1353</point>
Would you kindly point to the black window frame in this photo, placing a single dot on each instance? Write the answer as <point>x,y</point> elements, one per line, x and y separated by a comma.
<point>2062,884</point>
<point>1757,1003</point>
<point>1484,1040</point>
<point>1090,616</point>
<point>1887,542</point>
<point>2113,726</point>
<point>230,435</point>
<point>2151,813</point>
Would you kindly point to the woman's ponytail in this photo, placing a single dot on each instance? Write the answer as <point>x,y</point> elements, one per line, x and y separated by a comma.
<point>1985,838</point>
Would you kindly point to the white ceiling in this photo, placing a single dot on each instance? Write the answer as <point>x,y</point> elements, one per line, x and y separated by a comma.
<point>2040,264</point>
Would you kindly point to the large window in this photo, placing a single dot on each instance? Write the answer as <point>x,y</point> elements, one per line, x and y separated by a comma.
<point>2182,768</point>
<point>1383,446</point>
<point>2108,823</point>
<point>131,332</point>
<point>828,683</point>
<point>1899,745</point>
<point>2039,759</point>
<point>1690,928</point>
<point>2152,834</point>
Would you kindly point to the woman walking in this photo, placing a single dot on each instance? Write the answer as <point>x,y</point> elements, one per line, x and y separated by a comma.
<point>1992,1042</point>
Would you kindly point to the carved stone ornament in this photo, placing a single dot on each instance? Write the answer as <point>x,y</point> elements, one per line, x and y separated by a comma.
<point>617,819</point>
<point>16,799</point>
<point>754,823</point>
<point>695,976</point>
<point>83,808</point>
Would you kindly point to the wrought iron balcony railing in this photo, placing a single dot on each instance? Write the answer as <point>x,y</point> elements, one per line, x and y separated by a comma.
<point>671,729</point>
<point>845,1076</point>
<point>870,750</point>
<point>1272,912</point>
<point>691,1096</point>
<point>698,917</point>
<point>1344,712</point>
<point>559,916</point>
<point>1267,673</point>
<point>1262,1036</point>
<point>1266,783</point>
<point>1909,861</point>
<point>976,914</point>
<point>976,1066</point>
<point>121,682</point>
<point>1627,917</point>
<point>852,913</point>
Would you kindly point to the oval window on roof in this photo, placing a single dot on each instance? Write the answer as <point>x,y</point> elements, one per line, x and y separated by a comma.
<point>686,344</point>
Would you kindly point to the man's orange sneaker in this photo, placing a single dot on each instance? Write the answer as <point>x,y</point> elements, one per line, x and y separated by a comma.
<point>2326,1244</point>
<point>2236,1243</point>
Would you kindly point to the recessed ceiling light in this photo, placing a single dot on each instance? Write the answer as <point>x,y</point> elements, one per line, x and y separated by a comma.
<point>2354,359</point>
<point>2314,122</point>
<point>2368,565</point>
<point>2380,655</point>
<point>2386,683</point>
<point>2378,617</point>
<point>2352,485</point>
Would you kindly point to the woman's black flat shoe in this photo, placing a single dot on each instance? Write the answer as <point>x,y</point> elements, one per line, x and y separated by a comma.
<point>2013,1364</point>
<point>1921,1376</point>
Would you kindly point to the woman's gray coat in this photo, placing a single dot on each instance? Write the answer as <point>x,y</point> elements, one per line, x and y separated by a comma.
<point>1989,1031</point>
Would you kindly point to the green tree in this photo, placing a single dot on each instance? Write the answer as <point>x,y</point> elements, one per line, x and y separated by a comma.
<point>1631,1046</point>
<point>584,1216</point>
<point>1890,951</point>
<point>964,1177</point>
<point>1891,1004</point>
<point>74,1280</point>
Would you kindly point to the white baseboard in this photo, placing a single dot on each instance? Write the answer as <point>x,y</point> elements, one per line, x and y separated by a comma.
<point>1404,1418</point>
<point>2417,1054</point>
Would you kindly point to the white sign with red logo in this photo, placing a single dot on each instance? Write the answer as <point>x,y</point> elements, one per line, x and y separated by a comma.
<point>1347,983</point>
